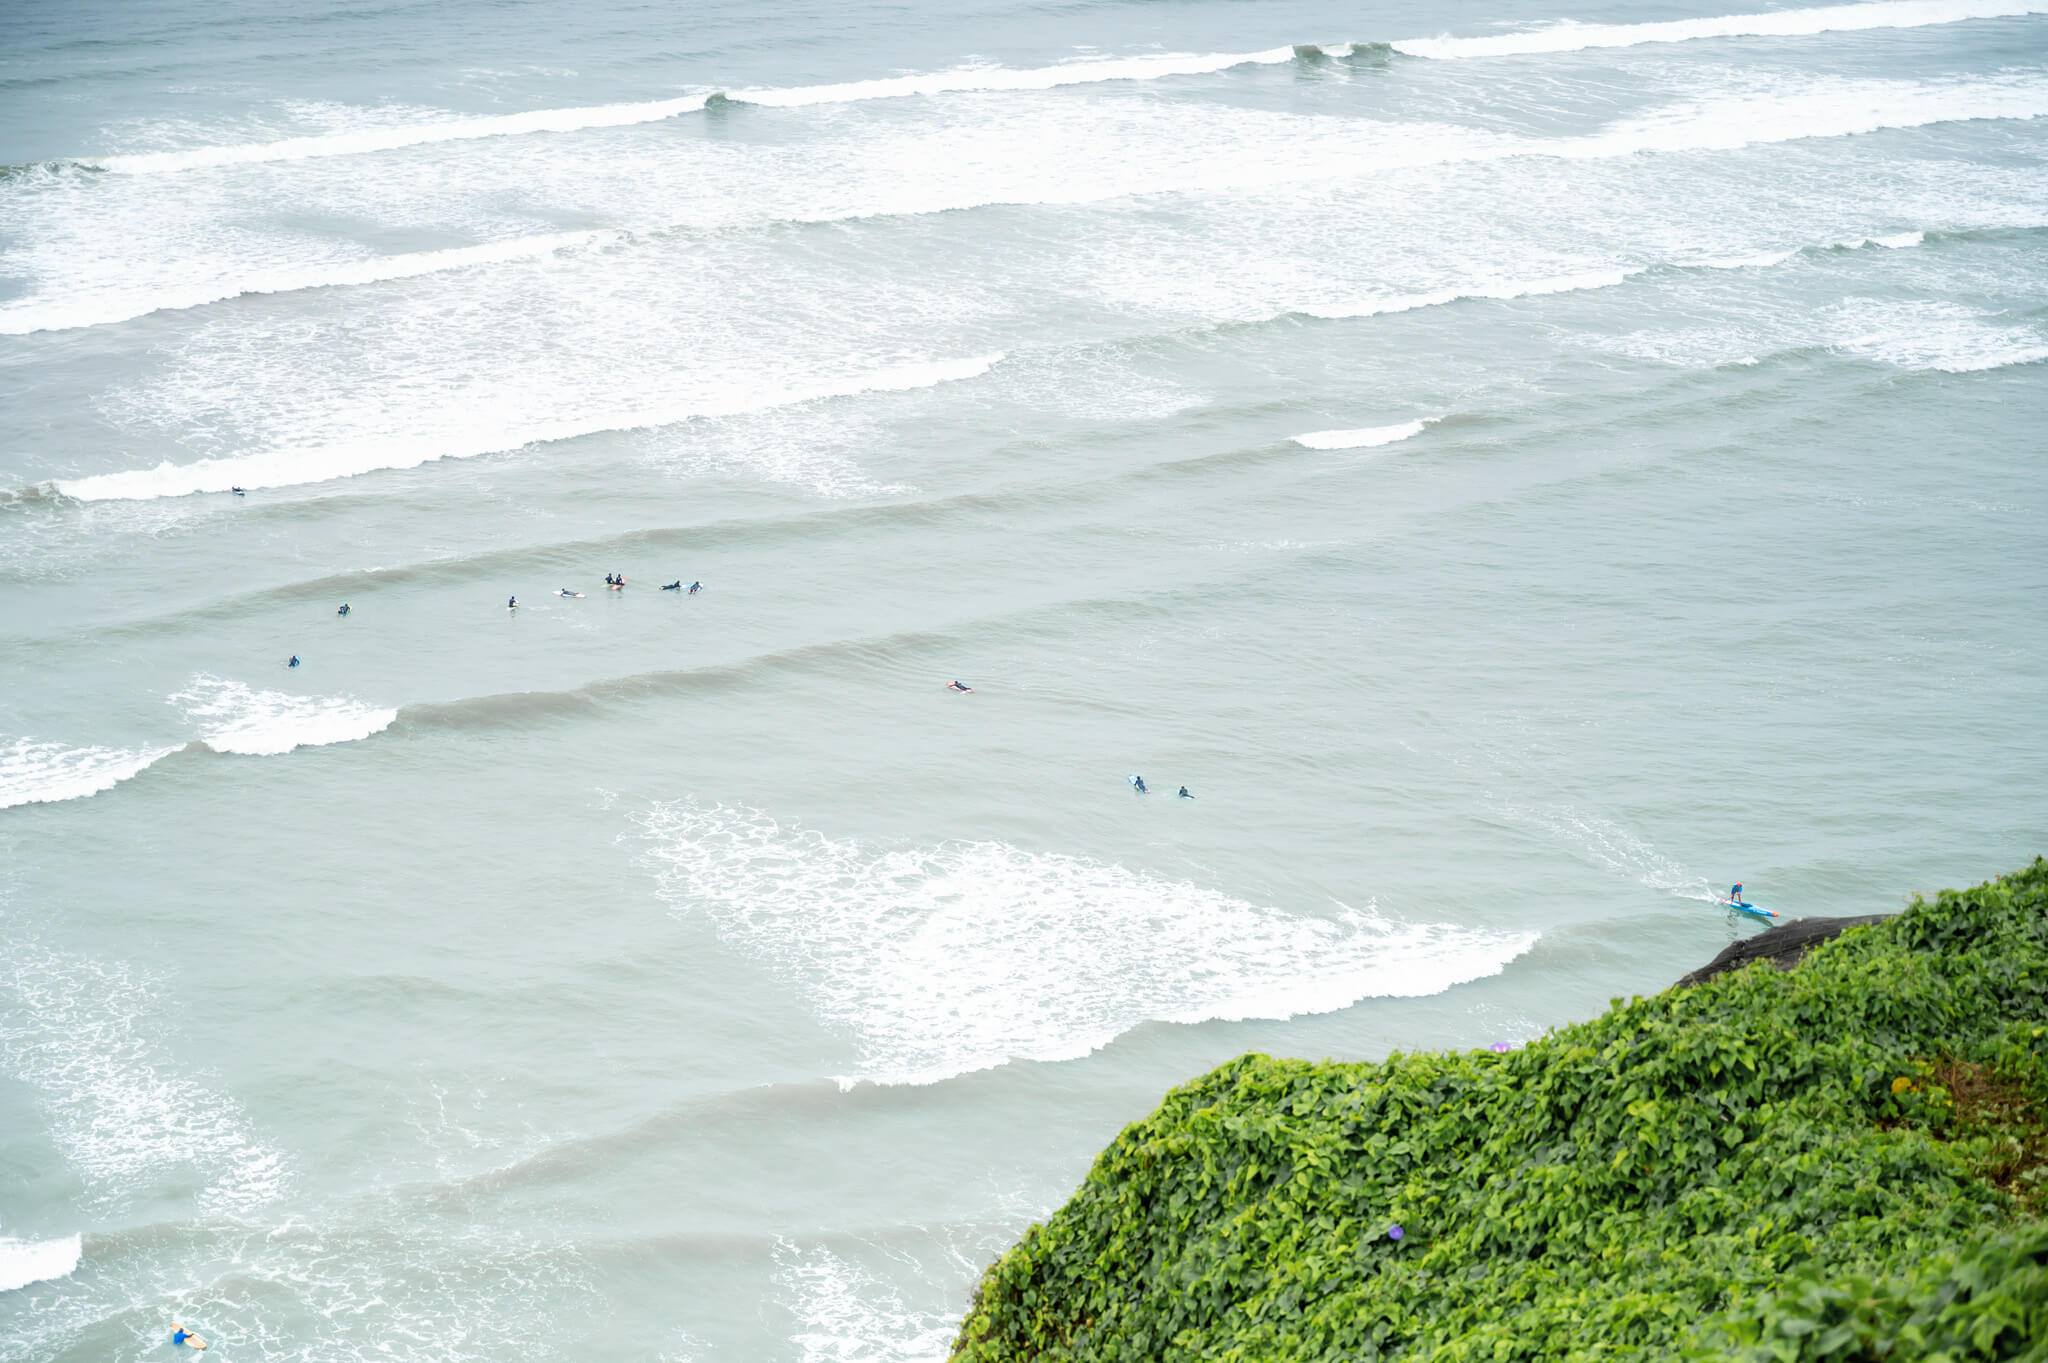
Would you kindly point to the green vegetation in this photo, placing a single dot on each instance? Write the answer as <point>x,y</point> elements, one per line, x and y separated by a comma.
<point>1843,1161</point>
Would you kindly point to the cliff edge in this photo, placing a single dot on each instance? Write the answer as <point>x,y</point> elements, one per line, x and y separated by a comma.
<point>1843,1159</point>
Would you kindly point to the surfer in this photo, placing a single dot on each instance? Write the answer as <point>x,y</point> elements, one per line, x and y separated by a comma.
<point>956,686</point>
<point>343,610</point>
<point>566,592</point>
<point>183,1338</point>
<point>696,587</point>
<point>1138,784</point>
<point>1735,893</point>
<point>674,586</point>
<point>239,492</point>
<point>294,662</point>
<point>1184,794</point>
<point>511,603</point>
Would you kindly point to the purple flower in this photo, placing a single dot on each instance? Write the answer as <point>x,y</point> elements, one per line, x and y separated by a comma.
<point>1503,1046</point>
<point>1394,1234</point>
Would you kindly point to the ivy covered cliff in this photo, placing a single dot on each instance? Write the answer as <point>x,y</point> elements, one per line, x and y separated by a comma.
<point>1844,1160</point>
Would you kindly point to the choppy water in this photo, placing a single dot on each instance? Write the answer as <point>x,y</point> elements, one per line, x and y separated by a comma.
<point>1521,467</point>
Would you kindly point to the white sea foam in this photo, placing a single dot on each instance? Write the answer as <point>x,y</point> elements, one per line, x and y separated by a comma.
<point>1609,845</point>
<point>1897,241</point>
<point>1376,306</point>
<point>937,961</point>
<point>846,1314</point>
<point>1928,334</point>
<point>86,1035</point>
<point>1753,260</point>
<point>988,78</point>
<point>1364,438</point>
<point>284,467</point>
<point>33,772</point>
<point>99,309</point>
<point>360,140</point>
<point>996,78</point>
<point>35,1261</point>
<point>235,718</point>
<point>1575,37</point>
<point>1559,38</point>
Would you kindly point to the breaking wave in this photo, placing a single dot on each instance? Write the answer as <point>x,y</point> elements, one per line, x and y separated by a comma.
<point>938,961</point>
<point>22,319</point>
<point>1784,23</point>
<point>35,1261</point>
<point>285,467</point>
<point>1364,438</point>
<point>236,718</point>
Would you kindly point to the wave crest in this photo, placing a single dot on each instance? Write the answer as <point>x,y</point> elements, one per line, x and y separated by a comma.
<point>235,718</point>
<point>1785,23</point>
<point>34,1261</point>
<point>937,961</point>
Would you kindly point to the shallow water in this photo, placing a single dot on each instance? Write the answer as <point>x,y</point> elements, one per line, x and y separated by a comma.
<point>1521,476</point>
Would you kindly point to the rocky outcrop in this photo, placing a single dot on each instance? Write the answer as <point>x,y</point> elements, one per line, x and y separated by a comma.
<point>1782,946</point>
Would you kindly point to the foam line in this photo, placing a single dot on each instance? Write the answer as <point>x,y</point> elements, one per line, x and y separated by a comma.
<point>24,318</point>
<point>35,1261</point>
<point>998,78</point>
<point>937,961</point>
<point>1785,23</point>
<point>44,773</point>
<point>280,468</point>
<point>1374,307</point>
<point>994,78</point>
<point>1364,438</point>
<point>362,140</point>
<point>1566,37</point>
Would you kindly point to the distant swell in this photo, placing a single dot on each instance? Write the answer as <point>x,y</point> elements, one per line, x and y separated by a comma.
<point>619,115</point>
<point>21,319</point>
<point>1563,37</point>
<point>941,960</point>
<point>283,468</point>
<point>1573,37</point>
<point>390,139</point>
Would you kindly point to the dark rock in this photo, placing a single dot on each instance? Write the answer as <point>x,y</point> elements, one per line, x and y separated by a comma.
<point>1782,946</point>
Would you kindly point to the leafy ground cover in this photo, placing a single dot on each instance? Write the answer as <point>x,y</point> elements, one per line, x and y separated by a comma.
<point>1842,1161</point>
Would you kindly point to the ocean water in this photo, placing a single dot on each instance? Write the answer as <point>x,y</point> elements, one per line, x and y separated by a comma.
<point>1521,466</point>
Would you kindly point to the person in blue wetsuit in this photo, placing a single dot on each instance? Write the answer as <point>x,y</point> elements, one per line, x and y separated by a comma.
<point>511,603</point>
<point>1735,893</point>
<point>1184,794</point>
<point>294,662</point>
<point>696,587</point>
<point>343,610</point>
<point>1138,784</point>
